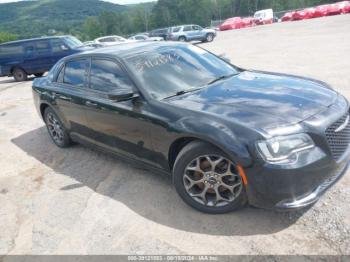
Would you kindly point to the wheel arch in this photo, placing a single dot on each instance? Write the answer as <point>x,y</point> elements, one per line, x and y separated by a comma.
<point>213,133</point>
<point>177,145</point>
<point>42,108</point>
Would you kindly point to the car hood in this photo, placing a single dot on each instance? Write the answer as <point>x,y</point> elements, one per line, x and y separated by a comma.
<point>260,100</point>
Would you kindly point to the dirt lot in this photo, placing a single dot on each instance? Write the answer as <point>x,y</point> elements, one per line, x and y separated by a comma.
<point>79,201</point>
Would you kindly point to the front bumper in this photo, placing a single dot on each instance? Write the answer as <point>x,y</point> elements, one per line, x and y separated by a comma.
<point>308,199</point>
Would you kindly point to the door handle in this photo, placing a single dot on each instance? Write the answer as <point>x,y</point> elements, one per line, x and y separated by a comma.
<point>91,104</point>
<point>66,98</point>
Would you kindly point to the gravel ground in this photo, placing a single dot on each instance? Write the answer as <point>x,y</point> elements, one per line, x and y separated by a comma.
<point>80,201</point>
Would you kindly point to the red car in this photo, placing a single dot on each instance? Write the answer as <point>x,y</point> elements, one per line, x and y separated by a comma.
<point>321,10</point>
<point>248,21</point>
<point>232,23</point>
<point>344,6</point>
<point>334,9</point>
<point>287,17</point>
<point>307,13</point>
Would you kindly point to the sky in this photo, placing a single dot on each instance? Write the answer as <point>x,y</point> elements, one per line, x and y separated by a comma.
<point>122,2</point>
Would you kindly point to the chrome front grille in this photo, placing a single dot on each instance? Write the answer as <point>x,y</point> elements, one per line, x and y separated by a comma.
<point>338,136</point>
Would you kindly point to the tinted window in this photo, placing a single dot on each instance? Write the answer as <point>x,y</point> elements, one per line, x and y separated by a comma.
<point>74,73</point>
<point>167,70</point>
<point>106,75</point>
<point>176,29</point>
<point>187,28</point>
<point>42,46</point>
<point>58,45</point>
<point>196,27</point>
<point>11,50</point>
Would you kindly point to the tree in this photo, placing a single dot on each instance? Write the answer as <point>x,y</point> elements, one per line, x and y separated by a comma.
<point>92,28</point>
<point>6,37</point>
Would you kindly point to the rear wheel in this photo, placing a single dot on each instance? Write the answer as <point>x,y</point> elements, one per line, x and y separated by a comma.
<point>207,180</point>
<point>39,74</point>
<point>57,131</point>
<point>182,39</point>
<point>19,74</point>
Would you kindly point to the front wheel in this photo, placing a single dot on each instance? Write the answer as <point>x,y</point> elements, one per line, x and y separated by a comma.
<point>57,131</point>
<point>209,38</point>
<point>207,180</point>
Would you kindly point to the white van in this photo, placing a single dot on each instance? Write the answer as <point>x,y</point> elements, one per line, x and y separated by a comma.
<point>263,17</point>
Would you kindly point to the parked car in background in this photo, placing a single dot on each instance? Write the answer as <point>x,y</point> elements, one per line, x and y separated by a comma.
<point>231,23</point>
<point>227,136</point>
<point>263,17</point>
<point>92,44</point>
<point>111,40</point>
<point>186,33</point>
<point>36,56</point>
<point>344,6</point>
<point>162,32</point>
<point>307,13</point>
<point>145,38</point>
<point>321,10</point>
<point>334,9</point>
<point>287,17</point>
<point>248,22</point>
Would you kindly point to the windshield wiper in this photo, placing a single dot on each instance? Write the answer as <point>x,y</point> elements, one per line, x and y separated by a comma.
<point>182,92</point>
<point>220,78</point>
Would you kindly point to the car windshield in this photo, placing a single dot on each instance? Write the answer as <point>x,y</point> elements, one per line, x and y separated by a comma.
<point>169,70</point>
<point>73,42</point>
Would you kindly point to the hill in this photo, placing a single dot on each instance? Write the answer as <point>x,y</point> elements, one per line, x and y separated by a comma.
<point>36,18</point>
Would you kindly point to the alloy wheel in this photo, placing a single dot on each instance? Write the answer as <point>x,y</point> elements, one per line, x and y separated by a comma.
<point>55,128</point>
<point>212,180</point>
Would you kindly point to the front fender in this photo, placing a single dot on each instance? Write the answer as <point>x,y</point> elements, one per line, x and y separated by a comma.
<point>217,134</point>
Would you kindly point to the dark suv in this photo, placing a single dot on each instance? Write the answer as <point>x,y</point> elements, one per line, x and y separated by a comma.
<point>35,56</point>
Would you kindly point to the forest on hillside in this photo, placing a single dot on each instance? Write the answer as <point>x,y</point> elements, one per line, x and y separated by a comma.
<point>88,19</point>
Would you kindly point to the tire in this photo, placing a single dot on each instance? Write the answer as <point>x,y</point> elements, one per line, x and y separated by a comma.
<point>56,129</point>
<point>19,74</point>
<point>182,39</point>
<point>214,185</point>
<point>39,74</point>
<point>209,37</point>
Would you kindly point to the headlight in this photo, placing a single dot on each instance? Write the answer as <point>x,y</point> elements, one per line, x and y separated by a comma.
<point>284,148</point>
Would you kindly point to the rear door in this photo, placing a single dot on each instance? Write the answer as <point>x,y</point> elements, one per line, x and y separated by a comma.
<point>198,32</point>
<point>189,33</point>
<point>117,126</point>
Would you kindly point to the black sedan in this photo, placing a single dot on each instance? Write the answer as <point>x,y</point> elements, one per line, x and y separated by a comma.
<point>228,136</point>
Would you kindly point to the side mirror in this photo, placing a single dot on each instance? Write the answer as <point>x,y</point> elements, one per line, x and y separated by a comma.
<point>225,58</point>
<point>64,48</point>
<point>121,94</point>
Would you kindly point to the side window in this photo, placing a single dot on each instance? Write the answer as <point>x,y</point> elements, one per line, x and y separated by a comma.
<point>195,27</point>
<point>28,50</point>
<point>176,29</point>
<point>74,72</point>
<point>58,45</point>
<point>9,50</point>
<point>42,46</point>
<point>187,28</point>
<point>106,75</point>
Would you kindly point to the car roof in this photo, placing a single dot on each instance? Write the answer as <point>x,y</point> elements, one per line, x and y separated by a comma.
<point>127,49</point>
<point>34,39</point>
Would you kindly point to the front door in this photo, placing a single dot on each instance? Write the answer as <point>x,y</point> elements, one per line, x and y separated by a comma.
<point>118,126</point>
<point>69,91</point>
